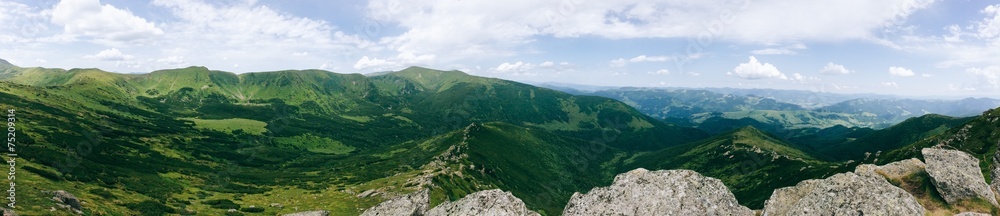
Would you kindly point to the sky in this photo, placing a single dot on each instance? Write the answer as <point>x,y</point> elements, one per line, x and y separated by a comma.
<point>902,47</point>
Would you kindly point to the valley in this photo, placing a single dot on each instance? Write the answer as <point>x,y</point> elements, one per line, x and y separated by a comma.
<point>195,141</point>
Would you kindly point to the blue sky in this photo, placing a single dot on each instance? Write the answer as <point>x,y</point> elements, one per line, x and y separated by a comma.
<point>903,47</point>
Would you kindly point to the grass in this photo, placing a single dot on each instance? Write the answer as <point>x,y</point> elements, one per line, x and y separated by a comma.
<point>316,144</point>
<point>229,125</point>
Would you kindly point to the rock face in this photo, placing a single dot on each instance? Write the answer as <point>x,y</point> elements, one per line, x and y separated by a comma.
<point>411,204</point>
<point>488,202</point>
<point>995,172</point>
<point>8,212</point>
<point>664,192</point>
<point>956,175</point>
<point>310,213</point>
<point>67,200</point>
<point>842,194</point>
<point>894,170</point>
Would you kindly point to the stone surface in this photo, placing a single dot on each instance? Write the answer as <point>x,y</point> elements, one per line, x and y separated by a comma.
<point>310,213</point>
<point>67,200</point>
<point>842,194</point>
<point>664,192</point>
<point>894,170</point>
<point>488,202</point>
<point>411,204</point>
<point>956,175</point>
<point>995,172</point>
<point>8,212</point>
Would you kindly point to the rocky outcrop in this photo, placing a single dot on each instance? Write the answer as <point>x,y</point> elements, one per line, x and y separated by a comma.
<point>956,175</point>
<point>995,172</point>
<point>842,194</point>
<point>488,202</point>
<point>664,192</point>
<point>411,204</point>
<point>310,213</point>
<point>894,170</point>
<point>67,200</point>
<point>8,212</point>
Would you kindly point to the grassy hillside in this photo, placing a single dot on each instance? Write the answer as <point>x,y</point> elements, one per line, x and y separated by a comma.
<point>197,141</point>
<point>899,135</point>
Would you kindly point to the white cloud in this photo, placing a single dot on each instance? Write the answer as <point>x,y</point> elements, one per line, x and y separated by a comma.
<point>786,50</point>
<point>773,51</point>
<point>757,70</point>
<point>547,64</point>
<point>802,79</point>
<point>660,72</point>
<point>105,23</point>
<point>639,59</point>
<point>988,76</point>
<point>515,67</point>
<point>618,62</point>
<point>112,54</point>
<point>990,26</point>
<point>890,84</point>
<point>172,61</point>
<point>831,69</point>
<point>900,71</point>
<point>476,29</point>
<point>644,58</point>
<point>926,75</point>
<point>365,63</point>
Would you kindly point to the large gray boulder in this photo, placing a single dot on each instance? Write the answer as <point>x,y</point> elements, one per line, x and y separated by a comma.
<point>488,202</point>
<point>894,170</point>
<point>67,200</point>
<point>664,192</point>
<point>842,194</point>
<point>411,204</point>
<point>956,175</point>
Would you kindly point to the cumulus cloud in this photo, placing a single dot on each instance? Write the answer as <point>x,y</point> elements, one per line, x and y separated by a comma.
<point>365,63</point>
<point>890,84</point>
<point>112,54</point>
<point>104,23</point>
<point>900,71</point>
<point>989,76</point>
<point>832,69</point>
<point>515,67</point>
<point>499,28</point>
<point>756,70</point>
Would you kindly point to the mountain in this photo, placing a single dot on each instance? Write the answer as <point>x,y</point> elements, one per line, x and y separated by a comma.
<point>896,110</point>
<point>751,162</point>
<point>906,132</point>
<point>200,141</point>
<point>665,103</point>
<point>977,137</point>
<point>806,99</point>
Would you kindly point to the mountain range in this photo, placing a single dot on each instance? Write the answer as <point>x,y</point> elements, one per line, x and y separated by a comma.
<point>194,141</point>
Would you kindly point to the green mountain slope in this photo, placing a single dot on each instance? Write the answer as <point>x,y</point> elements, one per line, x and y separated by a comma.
<point>978,136</point>
<point>904,133</point>
<point>750,162</point>
<point>197,141</point>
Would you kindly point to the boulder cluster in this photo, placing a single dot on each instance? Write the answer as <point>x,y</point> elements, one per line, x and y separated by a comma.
<point>867,191</point>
